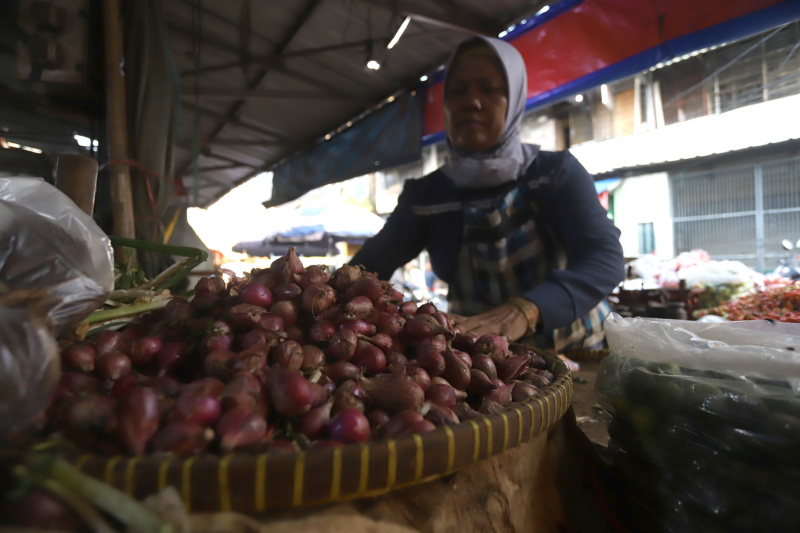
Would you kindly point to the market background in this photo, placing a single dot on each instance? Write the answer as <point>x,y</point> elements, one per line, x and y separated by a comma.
<point>241,130</point>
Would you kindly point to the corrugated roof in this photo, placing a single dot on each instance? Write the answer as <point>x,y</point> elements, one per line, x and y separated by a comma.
<point>276,77</point>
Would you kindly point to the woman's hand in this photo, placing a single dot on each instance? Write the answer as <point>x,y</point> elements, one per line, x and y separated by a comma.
<point>505,319</point>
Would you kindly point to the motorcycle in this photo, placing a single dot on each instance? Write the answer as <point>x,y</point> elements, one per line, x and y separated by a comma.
<point>790,267</point>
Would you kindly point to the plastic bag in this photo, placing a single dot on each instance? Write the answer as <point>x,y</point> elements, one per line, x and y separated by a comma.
<point>721,281</point>
<point>56,267</point>
<point>706,423</point>
<point>55,259</point>
<point>30,365</point>
<point>715,273</point>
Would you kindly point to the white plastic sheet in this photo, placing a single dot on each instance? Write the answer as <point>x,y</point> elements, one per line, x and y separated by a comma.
<point>753,348</point>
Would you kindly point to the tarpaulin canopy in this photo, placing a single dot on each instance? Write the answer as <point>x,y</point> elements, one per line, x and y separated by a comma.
<point>337,219</point>
<point>315,229</point>
<point>389,137</point>
<point>602,186</point>
<point>269,247</point>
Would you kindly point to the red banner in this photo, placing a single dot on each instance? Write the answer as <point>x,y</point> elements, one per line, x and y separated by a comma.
<point>598,34</point>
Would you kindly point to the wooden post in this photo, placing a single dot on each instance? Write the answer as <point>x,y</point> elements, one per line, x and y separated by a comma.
<point>76,176</point>
<point>116,103</point>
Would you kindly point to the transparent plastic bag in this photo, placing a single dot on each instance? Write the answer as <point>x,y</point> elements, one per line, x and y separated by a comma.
<point>56,267</point>
<point>30,365</point>
<point>54,258</point>
<point>720,281</point>
<point>705,424</point>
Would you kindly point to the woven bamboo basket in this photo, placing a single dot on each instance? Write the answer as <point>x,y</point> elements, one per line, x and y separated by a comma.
<point>587,355</point>
<point>258,484</point>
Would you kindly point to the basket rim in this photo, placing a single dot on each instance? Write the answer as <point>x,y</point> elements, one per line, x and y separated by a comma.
<point>382,465</point>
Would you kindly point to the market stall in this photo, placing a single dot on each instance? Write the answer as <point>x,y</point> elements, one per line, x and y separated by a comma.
<point>299,396</point>
<point>272,405</point>
<point>315,229</point>
<point>692,286</point>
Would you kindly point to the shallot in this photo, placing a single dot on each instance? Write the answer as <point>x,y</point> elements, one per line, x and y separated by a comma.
<point>289,392</point>
<point>439,416</point>
<point>137,418</point>
<point>113,364</point>
<point>79,356</point>
<point>495,346</point>
<point>288,354</point>
<point>394,394</point>
<point>239,428</point>
<point>399,423</point>
<point>345,276</point>
<point>442,394</point>
<point>369,357</point>
<point>349,425</point>
<point>252,362</point>
<point>144,350</point>
<point>182,437</point>
<point>256,294</point>
<point>199,406</point>
<point>314,424</point>
<point>342,345</point>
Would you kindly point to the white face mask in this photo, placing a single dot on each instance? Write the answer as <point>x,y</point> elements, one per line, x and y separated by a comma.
<point>511,158</point>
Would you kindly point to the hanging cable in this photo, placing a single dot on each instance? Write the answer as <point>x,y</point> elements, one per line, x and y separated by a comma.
<point>197,25</point>
<point>789,56</point>
<point>723,68</point>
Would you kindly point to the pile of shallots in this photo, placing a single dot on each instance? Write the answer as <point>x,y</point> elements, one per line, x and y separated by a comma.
<point>286,358</point>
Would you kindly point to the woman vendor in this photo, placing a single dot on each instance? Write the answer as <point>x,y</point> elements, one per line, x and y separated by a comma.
<point>518,234</point>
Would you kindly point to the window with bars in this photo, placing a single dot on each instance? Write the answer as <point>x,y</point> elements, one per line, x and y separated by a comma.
<point>647,238</point>
<point>740,213</point>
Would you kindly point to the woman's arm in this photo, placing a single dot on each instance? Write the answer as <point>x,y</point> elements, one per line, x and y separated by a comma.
<point>400,240</point>
<point>595,263</point>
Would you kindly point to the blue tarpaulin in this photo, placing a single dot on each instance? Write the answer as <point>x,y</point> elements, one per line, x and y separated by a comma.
<point>387,138</point>
<point>602,186</point>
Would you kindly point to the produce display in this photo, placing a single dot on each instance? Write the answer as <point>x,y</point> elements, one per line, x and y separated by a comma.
<point>710,281</point>
<point>702,447</point>
<point>285,358</point>
<point>781,303</point>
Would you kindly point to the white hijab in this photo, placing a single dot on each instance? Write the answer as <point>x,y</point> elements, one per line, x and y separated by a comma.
<point>510,158</point>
